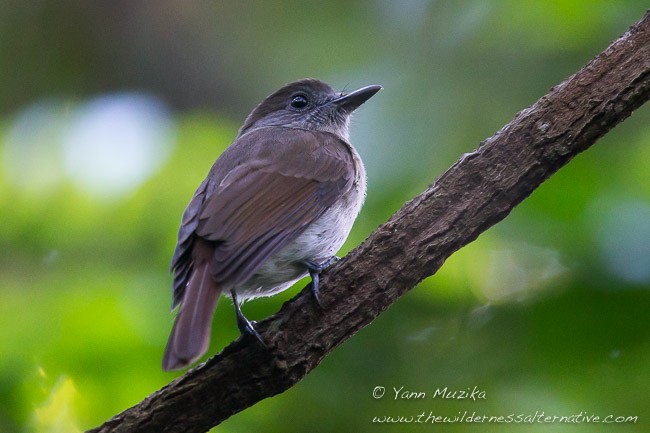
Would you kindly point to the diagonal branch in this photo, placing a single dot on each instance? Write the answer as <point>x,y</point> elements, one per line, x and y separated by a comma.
<point>474,194</point>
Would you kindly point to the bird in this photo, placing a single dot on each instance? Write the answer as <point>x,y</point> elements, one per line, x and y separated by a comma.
<point>276,206</point>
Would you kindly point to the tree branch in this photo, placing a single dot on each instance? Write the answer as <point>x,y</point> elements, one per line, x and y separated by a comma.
<point>475,193</point>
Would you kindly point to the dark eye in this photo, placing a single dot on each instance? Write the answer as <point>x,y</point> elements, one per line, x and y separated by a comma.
<point>299,102</point>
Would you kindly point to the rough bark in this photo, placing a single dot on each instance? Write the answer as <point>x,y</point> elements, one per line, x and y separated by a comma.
<point>475,193</point>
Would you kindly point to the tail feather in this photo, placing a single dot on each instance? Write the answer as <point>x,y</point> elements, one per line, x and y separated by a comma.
<point>190,336</point>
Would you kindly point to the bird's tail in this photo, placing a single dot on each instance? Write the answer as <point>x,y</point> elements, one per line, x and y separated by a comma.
<point>190,336</point>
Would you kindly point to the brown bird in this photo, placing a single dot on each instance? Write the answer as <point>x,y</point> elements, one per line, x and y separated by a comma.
<point>276,205</point>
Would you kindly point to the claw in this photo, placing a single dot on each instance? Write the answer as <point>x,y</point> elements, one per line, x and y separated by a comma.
<point>314,270</point>
<point>245,326</point>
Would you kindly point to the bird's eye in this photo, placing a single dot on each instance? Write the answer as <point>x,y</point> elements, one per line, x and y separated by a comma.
<point>299,102</point>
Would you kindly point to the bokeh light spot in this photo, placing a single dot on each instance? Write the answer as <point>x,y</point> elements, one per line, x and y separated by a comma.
<point>116,142</point>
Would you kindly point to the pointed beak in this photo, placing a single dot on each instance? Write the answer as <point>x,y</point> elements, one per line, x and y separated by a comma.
<point>350,102</point>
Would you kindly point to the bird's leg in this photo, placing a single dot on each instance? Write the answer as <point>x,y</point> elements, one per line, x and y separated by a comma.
<point>245,326</point>
<point>314,270</point>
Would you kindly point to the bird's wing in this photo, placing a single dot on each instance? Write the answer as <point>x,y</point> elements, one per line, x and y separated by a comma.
<point>182,263</point>
<point>286,180</point>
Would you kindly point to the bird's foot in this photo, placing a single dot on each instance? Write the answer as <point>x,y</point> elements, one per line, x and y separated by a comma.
<point>246,327</point>
<point>314,270</point>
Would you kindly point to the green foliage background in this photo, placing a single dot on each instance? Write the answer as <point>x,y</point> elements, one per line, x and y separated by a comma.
<point>546,312</point>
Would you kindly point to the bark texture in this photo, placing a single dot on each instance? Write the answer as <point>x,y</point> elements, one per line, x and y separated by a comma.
<point>475,193</point>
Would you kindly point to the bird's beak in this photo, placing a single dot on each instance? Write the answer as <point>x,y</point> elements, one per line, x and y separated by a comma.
<point>353,100</point>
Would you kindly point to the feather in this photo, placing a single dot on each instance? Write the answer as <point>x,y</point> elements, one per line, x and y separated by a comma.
<point>190,336</point>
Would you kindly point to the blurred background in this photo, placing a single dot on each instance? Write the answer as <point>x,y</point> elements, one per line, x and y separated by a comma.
<point>111,114</point>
